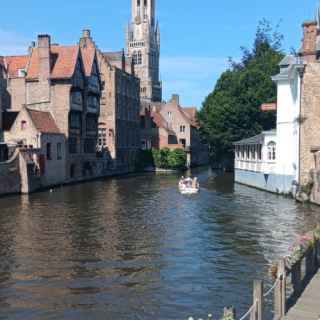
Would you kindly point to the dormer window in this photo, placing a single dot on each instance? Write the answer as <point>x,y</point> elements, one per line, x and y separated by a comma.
<point>23,125</point>
<point>22,73</point>
<point>93,102</point>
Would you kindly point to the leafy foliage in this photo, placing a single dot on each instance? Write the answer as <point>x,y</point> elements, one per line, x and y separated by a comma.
<point>169,159</point>
<point>232,111</point>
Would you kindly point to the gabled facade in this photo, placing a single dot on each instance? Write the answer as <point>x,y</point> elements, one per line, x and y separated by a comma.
<point>270,161</point>
<point>168,125</point>
<point>64,81</point>
<point>119,132</point>
<point>33,129</point>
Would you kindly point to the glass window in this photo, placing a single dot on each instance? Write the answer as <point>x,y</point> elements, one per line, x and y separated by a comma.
<point>23,125</point>
<point>271,151</point>
<point>139,58</point>
<point>91,122</point>
<point>59,151</point>
<point>73,145</point>
<point>48,151</point>
<point>75,120</point>
<point>93,102</point>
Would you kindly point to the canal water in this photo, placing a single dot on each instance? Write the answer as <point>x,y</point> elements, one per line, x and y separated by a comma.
<point>134,248</point>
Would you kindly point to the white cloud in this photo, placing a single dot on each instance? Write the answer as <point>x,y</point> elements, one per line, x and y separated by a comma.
<point>191,77</point>
<point>12,43</point>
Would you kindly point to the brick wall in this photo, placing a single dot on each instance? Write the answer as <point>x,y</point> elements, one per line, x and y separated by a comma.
<point>310,119</point>
<point>10,175</point>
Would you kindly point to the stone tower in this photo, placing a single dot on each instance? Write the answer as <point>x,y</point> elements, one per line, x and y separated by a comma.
<point>143,46</point>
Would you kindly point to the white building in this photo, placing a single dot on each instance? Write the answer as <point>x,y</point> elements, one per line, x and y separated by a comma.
<point>270,161</point>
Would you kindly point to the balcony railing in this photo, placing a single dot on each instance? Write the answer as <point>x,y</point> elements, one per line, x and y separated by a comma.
<point>256,165</point>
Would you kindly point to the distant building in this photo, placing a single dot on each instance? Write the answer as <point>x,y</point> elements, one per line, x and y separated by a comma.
<point>119,131</point>
<point>174,127</point>
<point>2,89</point>
<point>143,46</point>
<point>270,160</point>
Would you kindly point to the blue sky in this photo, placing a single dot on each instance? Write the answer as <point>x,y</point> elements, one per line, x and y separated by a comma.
<point>197,37</point>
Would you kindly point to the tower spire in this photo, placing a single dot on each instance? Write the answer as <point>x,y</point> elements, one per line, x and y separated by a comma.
<point>143,46</point>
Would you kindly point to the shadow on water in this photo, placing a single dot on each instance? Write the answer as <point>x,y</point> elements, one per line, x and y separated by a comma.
<point>135,248</point>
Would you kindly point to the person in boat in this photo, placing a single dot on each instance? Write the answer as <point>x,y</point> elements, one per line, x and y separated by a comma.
<point>182,182</point>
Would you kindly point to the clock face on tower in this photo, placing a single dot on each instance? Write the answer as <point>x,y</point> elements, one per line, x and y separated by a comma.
<point>137,20</point>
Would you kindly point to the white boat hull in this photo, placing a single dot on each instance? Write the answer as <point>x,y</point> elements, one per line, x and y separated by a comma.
<point>189,190</point>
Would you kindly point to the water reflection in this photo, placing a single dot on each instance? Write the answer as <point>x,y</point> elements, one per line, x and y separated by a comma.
<point>134,248</point>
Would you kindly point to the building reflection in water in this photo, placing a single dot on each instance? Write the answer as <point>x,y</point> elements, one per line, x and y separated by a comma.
<point>134,246</point>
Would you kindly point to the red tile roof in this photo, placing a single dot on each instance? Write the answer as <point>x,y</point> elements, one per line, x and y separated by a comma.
<point>43,121</point>
<point>88,55</point>
<point>191,112</point>
<point>190,115</point>
<point>269,107</point>
<point>161,122</point>
<point>63,62</point>
<point>14,63</point>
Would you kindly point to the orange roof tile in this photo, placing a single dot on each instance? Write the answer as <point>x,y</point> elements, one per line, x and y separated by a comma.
<point>160,121</point>
<point>88,55</point>
<point>14,63</point>
<point>63,62</point>
<point>43,121</point>
<point>269,107</point>
<point>190,115</point>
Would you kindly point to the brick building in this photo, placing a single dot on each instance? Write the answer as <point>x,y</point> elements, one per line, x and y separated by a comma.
<point>63,82</point>
<point>169,125</point>
<point>119,131</point>
<point>33,129</point>
<point>310,99</point>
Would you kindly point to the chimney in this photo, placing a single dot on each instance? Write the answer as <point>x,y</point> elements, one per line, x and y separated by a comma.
<point>44,57</point>
<point>309,45</point>
<point>175,99</point>
<point>123,61</point>
<point>31,47</point>
<point>86,33</point>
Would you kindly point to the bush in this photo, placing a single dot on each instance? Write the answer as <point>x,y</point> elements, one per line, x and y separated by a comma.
<point>177,159</point>
<point>169,159</point>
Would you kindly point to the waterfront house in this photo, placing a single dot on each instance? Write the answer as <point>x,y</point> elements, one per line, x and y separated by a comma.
<point>169,125</point>
<point>34,129</point>
<point>119,126</point>
<point>270,161</point>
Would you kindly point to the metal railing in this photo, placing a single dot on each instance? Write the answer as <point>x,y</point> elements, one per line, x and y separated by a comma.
<point>292,274</point>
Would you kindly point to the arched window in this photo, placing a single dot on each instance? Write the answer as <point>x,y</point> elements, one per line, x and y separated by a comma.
<point>134,57</point>
<point>271,151</point>
<point>139,59</point>
<point>138,3</point>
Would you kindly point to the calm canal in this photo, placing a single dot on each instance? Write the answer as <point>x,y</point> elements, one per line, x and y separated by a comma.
<point>134,248</point>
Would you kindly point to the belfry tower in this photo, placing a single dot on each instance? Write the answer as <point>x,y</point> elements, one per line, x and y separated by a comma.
<point>143,46</point>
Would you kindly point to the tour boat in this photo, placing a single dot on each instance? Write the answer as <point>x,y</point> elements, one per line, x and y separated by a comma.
<point>189,186</point>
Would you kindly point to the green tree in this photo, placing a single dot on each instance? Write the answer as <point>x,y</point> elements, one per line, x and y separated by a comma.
<point>177,159</point>
<point>169,159</point>
<point>232,111</point>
